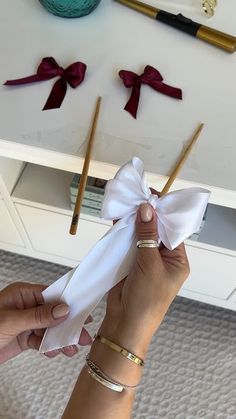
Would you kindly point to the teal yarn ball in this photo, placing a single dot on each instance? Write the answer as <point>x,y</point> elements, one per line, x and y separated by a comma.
<point>70,8</point>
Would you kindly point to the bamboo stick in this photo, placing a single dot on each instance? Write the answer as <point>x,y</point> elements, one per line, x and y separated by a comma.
<point>84,175</point>
<point>182,160</point>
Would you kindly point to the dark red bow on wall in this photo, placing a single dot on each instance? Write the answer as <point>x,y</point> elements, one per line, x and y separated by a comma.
<point>48,69</point>
<point>152,78</point>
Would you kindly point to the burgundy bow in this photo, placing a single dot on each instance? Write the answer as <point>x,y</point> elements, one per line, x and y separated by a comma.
<point>153,78</point>
<point>48,69</point>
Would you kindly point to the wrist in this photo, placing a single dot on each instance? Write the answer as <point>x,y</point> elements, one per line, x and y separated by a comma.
<point>135,338</point>
<point>115,365</point>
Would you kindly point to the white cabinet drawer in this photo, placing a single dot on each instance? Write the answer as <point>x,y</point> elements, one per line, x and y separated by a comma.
<point>49,232</point>
<point>8,231</point>
<point>211,273</point>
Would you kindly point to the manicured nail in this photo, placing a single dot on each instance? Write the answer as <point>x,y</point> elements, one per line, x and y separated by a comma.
<point>60,311</point>
<point>145,213</point>
<point>71,348</point>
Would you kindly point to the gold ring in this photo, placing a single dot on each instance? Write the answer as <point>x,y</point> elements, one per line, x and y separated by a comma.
<point>208,7</point>
<point>147,243</point>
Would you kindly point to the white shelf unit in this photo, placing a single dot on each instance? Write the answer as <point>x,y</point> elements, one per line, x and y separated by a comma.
<point>42,201</point>
<point>8,231</point>
<point>38,201</point>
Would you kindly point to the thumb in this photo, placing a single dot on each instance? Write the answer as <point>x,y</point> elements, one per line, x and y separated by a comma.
<point>146,229</point>
<point>40,317</point>
<point>146,223</point>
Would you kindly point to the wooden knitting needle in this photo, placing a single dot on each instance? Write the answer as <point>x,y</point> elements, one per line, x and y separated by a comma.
<point>182,160</point>
<point>84,175</point>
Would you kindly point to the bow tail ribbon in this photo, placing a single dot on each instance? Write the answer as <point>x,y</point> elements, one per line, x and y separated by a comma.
<point>132,104</point>
<point>83,287</point>
<point>167,90</point>
<point>26,80</point>
<point>57,95</point>
<point>110,260</point>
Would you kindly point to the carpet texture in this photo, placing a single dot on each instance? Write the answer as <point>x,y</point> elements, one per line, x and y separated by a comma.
<point>190,371</point>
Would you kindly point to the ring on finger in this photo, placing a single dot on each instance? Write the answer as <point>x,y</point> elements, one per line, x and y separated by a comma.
<point>147,243</point>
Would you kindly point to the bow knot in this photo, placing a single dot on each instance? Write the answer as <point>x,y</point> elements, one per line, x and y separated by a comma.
<point>179,213</point>
<point>152,200</point>
<point>151,77</point>
<point>62,73</point>
<point>48,68</point>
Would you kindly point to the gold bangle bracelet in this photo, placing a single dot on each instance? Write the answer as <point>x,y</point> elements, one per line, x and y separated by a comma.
<point>117,348</point>
<point>104,382</point>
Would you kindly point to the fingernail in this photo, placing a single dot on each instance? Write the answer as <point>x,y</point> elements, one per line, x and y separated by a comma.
<point>60,311</point>
<point>71,348</point>
<point>145,212</point>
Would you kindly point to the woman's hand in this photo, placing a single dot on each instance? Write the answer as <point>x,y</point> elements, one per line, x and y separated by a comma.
<point>136,306</point>
<point>24,317</point>
<point>135,309</point>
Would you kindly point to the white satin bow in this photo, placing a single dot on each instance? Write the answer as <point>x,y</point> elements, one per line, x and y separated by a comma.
<point>179,213</point>
<point>179,216</point>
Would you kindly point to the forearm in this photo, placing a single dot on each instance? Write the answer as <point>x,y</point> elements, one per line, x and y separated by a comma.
<point>91,399</point>
<point>135,308</point>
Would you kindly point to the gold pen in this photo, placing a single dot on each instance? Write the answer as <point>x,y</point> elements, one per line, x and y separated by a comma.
<point>212,36</point>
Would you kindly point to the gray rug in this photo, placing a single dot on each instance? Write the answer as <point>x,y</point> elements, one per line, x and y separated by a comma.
<point>190,372</point>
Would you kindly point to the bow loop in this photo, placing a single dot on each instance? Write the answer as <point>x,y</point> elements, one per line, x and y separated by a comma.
<point>74,74</point>
<point>151,74</point>
<point>48,68</point>
<point>125,192</point>
<point>130,79</point>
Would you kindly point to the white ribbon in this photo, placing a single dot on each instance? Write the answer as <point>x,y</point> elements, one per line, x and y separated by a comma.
<point>179,216</point>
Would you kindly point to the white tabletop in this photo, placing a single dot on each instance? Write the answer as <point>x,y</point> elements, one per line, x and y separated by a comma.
<point>114,37</point>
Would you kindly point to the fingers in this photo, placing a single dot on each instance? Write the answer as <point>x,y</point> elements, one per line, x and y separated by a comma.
<point>41,316</point>
<point>175,261</point>
<point>70,350</point>
<point>30,294</point>
<point>178,253</point>
<point>39,332</point>
<point>35,338</point>
<point>22,295</point>
<point>52,354</point>
<point>36,291</point>
<point>85,338</point>
<point>146,223</point>
<point>34,342</point>
<point>88,320</point>
<point>181,256</point>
